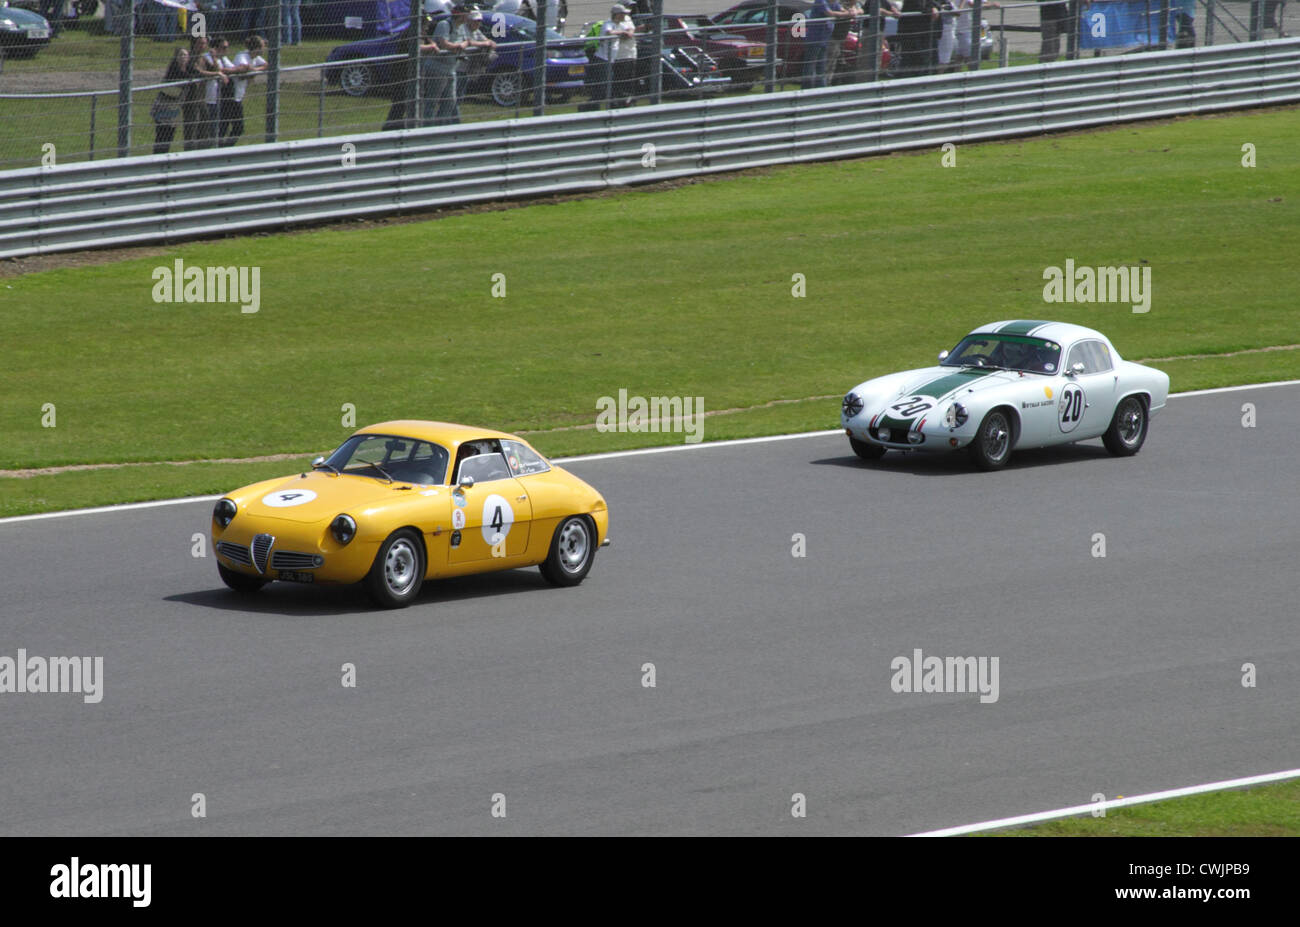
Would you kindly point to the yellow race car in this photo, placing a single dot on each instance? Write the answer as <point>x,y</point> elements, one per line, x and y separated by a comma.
<point>405,501</point>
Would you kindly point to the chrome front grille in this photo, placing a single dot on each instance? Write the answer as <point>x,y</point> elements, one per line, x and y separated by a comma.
<point>235,553</point>
<point>261,548</point>
<point>293,560</point>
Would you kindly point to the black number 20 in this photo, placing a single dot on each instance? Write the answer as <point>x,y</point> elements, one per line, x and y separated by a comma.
<point>1072,408</point>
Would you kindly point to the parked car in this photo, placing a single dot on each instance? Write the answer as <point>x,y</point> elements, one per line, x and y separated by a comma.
<point>401,502</point>
<point>505,73</point>
<point>22,32</point>
<point>1009,385</point>
<point>354,19</point>
<point>739,58</point>
<point>748,20</point>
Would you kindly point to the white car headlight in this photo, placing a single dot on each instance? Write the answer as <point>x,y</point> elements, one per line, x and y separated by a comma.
<point>955,416</point>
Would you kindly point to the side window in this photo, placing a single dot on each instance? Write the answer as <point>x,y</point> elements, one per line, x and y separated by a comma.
<point>1097,357</point>
<point>1077,357</point>
<point>523,459</point>
<point>484,468</point>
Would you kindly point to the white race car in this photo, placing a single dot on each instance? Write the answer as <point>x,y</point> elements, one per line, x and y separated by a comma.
<point>1016,384</point>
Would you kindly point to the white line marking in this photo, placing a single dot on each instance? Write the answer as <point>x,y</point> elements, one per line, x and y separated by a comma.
<point>585,457</point>
<point>1109,805</point>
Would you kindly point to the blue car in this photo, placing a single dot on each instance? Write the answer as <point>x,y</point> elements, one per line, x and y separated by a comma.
<point>505,73</point>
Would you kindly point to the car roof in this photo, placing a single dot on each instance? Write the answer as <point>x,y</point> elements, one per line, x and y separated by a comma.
<point>1062,332</point>
<point>447,434</point>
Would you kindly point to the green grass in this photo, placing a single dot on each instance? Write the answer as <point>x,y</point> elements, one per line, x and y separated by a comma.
<point>1263,811</point>
<point>685,291</point>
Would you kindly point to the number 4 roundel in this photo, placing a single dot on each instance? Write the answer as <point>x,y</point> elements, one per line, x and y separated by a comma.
<point>1070,408</point>
<point>498,516</point>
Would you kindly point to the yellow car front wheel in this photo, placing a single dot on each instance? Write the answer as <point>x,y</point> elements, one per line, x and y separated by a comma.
<point>395,577</point>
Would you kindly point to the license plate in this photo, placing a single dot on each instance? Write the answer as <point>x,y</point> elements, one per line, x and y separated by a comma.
<point>296,576</point>
<point>36,32</point>
<point>577,70</point>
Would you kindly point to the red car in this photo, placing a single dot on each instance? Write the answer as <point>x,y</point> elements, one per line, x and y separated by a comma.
<point>748,20</point>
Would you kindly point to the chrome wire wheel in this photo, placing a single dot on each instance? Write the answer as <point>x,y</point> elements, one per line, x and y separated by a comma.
<point>1131,420</point>
<point>400,567</point>
<point>997,437</point>
<point>575,541</point>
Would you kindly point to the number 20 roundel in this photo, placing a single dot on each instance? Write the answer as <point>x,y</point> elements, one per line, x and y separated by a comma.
<point>1070,409</point>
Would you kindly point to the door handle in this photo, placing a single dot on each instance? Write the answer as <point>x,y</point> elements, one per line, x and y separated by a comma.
<point>522,499</point>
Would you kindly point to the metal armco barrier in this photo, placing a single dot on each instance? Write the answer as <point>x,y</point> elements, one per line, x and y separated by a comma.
<point>164,198</point>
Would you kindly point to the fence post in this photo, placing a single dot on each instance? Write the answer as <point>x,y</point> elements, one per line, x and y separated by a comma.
<point>539,88</point>
<point>1256,20</point>
<point>273,74</point>
<point>657,53</point>
<point>414,115</point>
<point>976,37</point>
<point>94,98</point>
<point>1209,22</point>
<point>769,65</point>
<point>869,43</point>
<point>1072,40</point>
<point>125,75</point>
<point>1164,26</point>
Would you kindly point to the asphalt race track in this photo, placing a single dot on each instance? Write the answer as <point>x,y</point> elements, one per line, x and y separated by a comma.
<point>1118,675</point>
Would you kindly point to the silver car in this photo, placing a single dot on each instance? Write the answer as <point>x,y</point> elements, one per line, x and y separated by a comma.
<point>1013,384</point>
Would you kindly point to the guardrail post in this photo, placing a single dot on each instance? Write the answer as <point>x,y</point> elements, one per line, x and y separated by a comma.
<point>539,82</point>
<point>125,76</point>
<point>769,65</point>
<point>657,53</point>
<point>976,37</point>
<point>273,74</point>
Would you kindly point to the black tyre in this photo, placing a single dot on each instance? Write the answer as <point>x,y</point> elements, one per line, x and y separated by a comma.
<point>1128,428</point>
<point>240,582</point>
<point>866,450</point>
<point>991,448</point>
<point>573,550</point>
<point>397,574</point>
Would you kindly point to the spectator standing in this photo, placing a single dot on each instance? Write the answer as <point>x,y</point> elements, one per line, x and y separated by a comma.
<point>844,19</point>
<point>441,104</point>
<point>964,8</point>
<point>817,37</point>
<point>474,63</point>
<point>916,38</point>
<point>210,67</point>
<point>597,74</point>
<point>1053,18</point>
<point>166,108</point>
<point>192,107</point>
<point>291,23</point>
<point>619,46</point>
<point>246,66</point>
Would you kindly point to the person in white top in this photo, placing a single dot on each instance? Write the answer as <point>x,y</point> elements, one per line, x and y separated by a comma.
<point>963,53</point>
<point>618,47</point>
<point>209,66</point>
<point>246,66</point>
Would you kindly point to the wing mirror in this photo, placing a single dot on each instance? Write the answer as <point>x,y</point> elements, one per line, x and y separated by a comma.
<point>466,482</point>
<point>943,356</point>
<point>1076,368</point>
<point>318,461</point>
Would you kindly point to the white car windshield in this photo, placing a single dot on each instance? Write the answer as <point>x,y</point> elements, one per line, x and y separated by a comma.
<point>1006,352</point>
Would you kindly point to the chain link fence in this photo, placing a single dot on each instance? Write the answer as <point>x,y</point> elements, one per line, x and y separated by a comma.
<point>90,79</point>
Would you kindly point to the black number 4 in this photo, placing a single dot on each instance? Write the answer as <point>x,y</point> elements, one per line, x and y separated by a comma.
<point>497,520</point>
